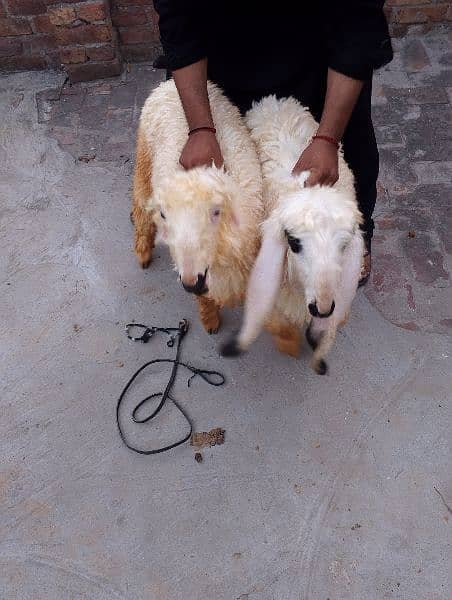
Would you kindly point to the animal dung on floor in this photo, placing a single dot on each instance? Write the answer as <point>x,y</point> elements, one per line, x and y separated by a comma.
<point>206,439</point>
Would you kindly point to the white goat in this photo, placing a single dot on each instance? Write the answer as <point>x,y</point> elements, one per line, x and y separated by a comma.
<point>208,217</point>
<point>307,270</point>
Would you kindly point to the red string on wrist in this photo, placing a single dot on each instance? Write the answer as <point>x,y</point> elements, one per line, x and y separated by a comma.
<point>205,128</point>
<point>327,138</point>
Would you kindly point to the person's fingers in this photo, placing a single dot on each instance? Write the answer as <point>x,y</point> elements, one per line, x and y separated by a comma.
<point>332,178</point>
<point>218,160</point>
<point>313,179</point>
<point>329,180</point>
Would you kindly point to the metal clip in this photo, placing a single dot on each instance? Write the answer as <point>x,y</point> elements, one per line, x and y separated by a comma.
<point>146,335</point>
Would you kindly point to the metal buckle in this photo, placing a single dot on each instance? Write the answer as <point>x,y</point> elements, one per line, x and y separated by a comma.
<point>144,337</point>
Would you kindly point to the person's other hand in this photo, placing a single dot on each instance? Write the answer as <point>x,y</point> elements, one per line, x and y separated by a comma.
<point>201,149</point>
<point>320,158</point>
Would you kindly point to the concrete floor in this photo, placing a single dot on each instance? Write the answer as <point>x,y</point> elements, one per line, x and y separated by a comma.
<point>333,487</point>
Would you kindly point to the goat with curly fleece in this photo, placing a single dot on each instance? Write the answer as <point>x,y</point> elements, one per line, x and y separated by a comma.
<point>208,217</point>
<point>308,267</point>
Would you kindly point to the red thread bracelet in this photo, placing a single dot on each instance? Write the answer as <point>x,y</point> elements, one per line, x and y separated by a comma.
<point>326,138</point>
<point>196,129</point>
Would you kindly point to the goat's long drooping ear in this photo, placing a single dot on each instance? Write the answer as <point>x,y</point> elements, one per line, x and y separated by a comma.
<point>263,287</point>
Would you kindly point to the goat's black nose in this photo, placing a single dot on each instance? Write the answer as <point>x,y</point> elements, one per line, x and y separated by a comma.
<point>199,287</point>
<point>315,311</point>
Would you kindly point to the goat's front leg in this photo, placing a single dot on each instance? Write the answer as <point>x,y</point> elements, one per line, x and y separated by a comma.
<point>321,340</point>
<point>209,313</point>
<point>145,231</point>
<point>142,218</point>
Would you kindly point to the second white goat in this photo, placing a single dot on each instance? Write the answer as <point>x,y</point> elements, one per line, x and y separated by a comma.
<point>308,267</point>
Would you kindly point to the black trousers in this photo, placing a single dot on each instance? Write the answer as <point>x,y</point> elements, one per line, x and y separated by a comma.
<point>360,146</point>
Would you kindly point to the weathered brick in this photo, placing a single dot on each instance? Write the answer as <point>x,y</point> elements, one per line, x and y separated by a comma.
<point>2,9</point>
<point>133,15</point>
<point>40,44</point>
<point>421,14</point>
<point>140,52</point>
<point>433,171</point>
<point>53,58</point>
<point>91,70</point>
<point>62,15</point>
<point>133,2</point>
<point>123,96</point>
<point>42,24</point>
<point>10,27</point>
<point>53,2</point>
<point>84,34</point>
<point>10,47</point>
<point>99,53</point>
<point>136,35</point>
<point>389,136</point>
<point>427,262</point>
<point>92,11</point>
<point>73,55</point>
<point>26,7</point>
<point>399,2</point>
<point>397,30</point>
<point>414,56</point>
<point>24,61</point>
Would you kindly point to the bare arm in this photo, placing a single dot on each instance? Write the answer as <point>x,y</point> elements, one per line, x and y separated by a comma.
<point>341,96</point>
<point>320,157</point>
<point>202,147</point>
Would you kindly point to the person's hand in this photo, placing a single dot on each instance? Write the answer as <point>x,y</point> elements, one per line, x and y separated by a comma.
<point>320,158</point>
<point>201,149</point>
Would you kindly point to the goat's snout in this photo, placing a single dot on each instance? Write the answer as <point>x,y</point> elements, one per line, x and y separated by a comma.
<point>195,285</point>
<point>315,311</point>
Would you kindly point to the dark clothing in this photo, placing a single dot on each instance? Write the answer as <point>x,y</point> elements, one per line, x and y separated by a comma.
<point>256,46</point>
<point>254,50</point>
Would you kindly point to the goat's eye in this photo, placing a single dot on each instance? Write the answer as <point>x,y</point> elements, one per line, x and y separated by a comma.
<point>162,215</point>
<point>214,214</point>
<point>344,246</point>
<point>295,244</point>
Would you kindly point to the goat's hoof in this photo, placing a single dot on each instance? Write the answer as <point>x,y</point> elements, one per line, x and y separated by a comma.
<point>231,349</point>
<point>310,338</point>
<point>132,220</point>
<point>145,263</point>
<point>213,330</point>
<point>320,367</point>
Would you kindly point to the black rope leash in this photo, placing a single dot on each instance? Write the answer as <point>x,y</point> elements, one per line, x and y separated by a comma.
<point>176,335</point>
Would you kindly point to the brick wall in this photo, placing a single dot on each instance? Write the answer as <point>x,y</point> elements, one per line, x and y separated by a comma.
<point>26,40</point>
<point>403,13</point>
<point>136,22</point>
<point>91,38</point>
<point>86,38</point>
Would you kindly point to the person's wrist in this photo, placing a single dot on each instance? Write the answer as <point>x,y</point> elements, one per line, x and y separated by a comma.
<point>202,129</point>
<point>326,139</point>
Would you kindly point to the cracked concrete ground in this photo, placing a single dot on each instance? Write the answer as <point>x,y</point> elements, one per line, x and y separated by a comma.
<point>337,487</point>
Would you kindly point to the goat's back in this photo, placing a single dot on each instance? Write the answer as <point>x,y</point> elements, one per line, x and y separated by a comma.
<point>165,130</point>
<point>281,130</point>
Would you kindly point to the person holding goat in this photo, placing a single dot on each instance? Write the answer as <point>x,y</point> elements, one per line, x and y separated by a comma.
<point>323,54</point>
